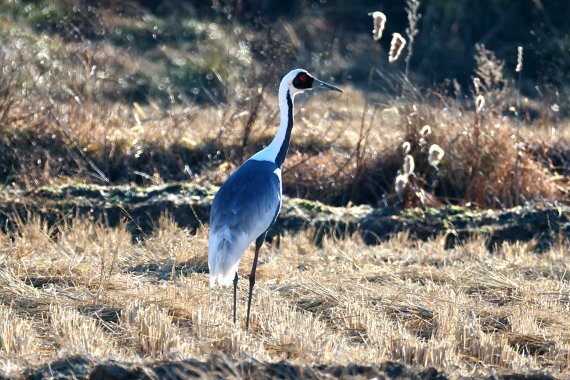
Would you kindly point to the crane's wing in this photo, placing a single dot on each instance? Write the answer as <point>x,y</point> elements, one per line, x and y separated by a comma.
<point>249,201</point>
<point>243,209</point>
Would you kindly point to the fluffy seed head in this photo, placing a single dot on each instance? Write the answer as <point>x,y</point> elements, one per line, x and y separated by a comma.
<point>422,142</point>
<point>425,131</point>
<point>406,147</point>
<point>409,165</point>
<point>396,47</point>
<point>435,154</point>
<point>400,184</point>
<point>479,103</point>
<point>379,19</point>
<point>519,59</point>
<point>477,85</point>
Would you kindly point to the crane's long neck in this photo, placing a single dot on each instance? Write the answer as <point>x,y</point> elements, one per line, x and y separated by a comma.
<point>277,150</point>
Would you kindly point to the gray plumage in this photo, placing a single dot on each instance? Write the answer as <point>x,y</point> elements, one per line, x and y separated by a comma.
<point>244,208</point>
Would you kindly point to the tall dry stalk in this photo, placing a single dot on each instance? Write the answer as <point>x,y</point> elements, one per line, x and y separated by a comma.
<point>8,79</point>
<point>254,107</point>
<point>518,70</point>
<point>363,136</point>
<point>414,15</point>
<point>487,81</point>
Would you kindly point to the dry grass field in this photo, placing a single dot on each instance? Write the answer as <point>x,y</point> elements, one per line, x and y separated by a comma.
<point>93,292</point>
<point>98,110</point>
<point>130,96</point>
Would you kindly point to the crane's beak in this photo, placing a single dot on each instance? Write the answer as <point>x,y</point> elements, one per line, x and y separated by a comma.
<point>329,86</point>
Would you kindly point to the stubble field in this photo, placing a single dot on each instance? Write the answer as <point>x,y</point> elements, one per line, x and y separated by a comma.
<point>94,293</point>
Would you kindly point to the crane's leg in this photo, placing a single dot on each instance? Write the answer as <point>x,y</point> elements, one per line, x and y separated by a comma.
<point>258,243</point>
<point>235,296</point>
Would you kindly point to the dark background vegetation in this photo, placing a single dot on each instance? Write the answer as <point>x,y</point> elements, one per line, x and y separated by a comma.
<point>444,47</point>
<point>448,30</point>
<point>86,66</point>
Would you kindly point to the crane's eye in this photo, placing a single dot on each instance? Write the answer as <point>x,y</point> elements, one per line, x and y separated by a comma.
<point>302,81</point>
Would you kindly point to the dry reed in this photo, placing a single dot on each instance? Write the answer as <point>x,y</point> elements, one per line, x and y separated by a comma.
<point>396,47</point>
<point>379,20</point>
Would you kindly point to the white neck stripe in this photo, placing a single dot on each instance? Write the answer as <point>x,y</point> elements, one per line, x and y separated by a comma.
<point>270,152</point>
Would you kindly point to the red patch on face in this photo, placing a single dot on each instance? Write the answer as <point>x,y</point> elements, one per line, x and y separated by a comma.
<point>303,78</point>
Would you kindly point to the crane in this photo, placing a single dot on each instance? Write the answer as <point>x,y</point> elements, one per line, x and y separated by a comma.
<point>248,203</point>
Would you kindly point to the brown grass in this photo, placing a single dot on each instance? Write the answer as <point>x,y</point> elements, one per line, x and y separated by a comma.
<point>93,292</point>
<point>341,144</point>
<point>344,148</point>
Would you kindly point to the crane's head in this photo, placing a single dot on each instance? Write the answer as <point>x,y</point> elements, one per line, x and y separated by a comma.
<point>299,80</point>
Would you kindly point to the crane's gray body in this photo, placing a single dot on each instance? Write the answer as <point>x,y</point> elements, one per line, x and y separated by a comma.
<point>243,209</point>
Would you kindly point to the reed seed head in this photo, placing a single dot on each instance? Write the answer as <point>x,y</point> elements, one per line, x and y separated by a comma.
<point>479,103</point>
<point>409,165</point>
<point>518,69</point>
<point>400,184</point>
<point>435,155</point>
<point>425,131</point>
<point>396,47</point>
<point>379,20</point>
<point>477,85</point>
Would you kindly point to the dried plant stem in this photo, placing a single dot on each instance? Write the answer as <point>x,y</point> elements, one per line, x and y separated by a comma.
<point>50,108</point>
<point>412,9</point>
<point>364,132</point>
<point>474,185</point>
<point>518,69</point>
<point>518,141</point>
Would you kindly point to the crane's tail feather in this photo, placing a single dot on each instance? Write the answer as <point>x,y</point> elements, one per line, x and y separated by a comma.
<point>224,278</point>
<point>223,262</point>
<point>227,278</point>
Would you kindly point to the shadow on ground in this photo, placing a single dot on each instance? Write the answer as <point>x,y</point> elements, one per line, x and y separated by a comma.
<point>221,367</point>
